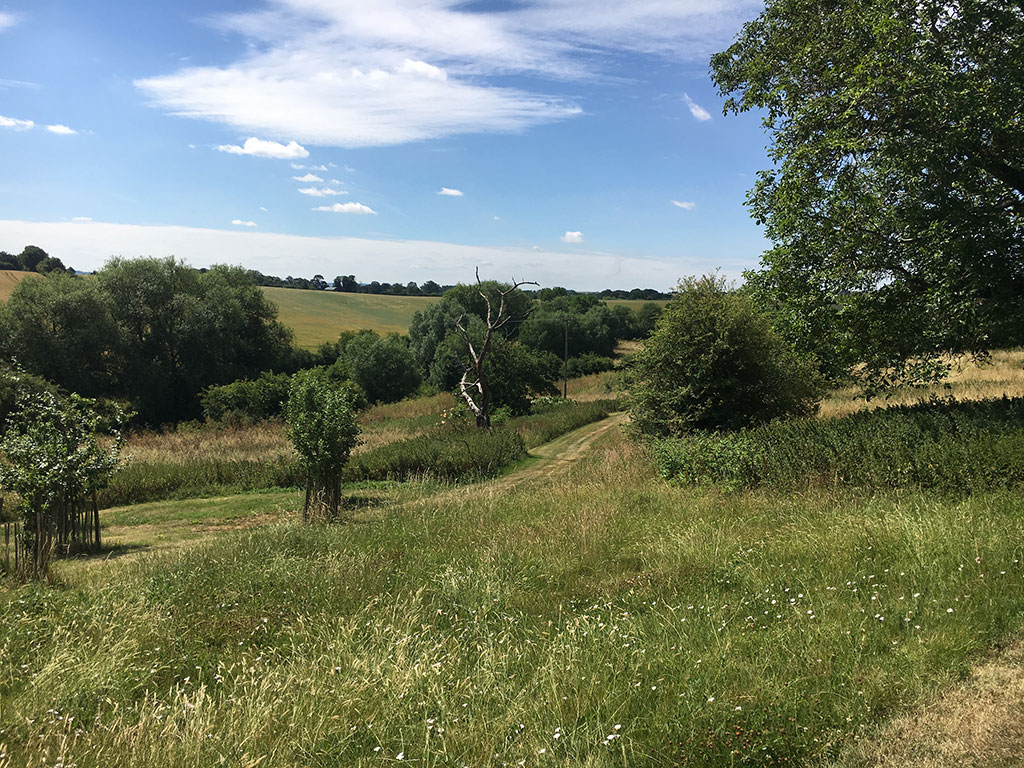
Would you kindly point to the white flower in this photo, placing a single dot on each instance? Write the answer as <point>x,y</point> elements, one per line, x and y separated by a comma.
<point>710,699</point>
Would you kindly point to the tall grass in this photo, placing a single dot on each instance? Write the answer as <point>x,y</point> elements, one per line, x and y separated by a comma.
<point>606,620</point>
<point>945,445</point>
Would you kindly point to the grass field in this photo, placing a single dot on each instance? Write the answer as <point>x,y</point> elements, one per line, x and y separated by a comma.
<point>319,316</point>
<point>595,618</point>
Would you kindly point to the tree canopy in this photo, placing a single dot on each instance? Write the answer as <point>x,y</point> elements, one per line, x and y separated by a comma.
<point>896,196</point>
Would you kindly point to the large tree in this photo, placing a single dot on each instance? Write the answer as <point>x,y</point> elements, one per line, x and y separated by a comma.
<point>896,196</point>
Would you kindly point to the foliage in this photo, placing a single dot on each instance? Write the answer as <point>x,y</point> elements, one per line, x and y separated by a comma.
<point>715,363</point>
<point>588,363</point>
<point>448,454</point>
<point>52,459</point>
<point>322,425</point>
<point>33,259</point>
<point>896,199</point>
<point>554,417</point>
<point>382,366</point>
<point>15,385</point>
<point>253,400</point>
<point>955,447</point>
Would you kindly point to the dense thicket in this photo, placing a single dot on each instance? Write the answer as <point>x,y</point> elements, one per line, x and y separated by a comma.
<point>33,259</point>
<point>153,332</point>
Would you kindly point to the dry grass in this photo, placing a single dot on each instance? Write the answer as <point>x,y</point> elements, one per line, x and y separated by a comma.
<point>596,386</point>
<point>9,279</point>
<point>970,381</point>
<point>977,724</point>
<point>267,441</point>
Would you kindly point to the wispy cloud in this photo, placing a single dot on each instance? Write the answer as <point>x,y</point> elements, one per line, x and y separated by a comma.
<point>696,109</point>
<point>449,192</point>
<point>321,191</point>
<point>262,148</point>
<point>61,130</point>
<point>309,177</point>
<point>7,20</point>
<point>573,238</point>
<point>346,208</point>
<point>82,218</point>
<point>686,205</point>
<point>14,123</point>
<point>240,223</point>
<point>351,73</point>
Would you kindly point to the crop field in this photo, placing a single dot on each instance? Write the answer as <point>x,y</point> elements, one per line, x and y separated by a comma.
<point>319,316</point>
<point>9,279</point>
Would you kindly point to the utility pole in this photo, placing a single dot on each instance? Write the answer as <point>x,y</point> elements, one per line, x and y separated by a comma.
<point>565,362</point>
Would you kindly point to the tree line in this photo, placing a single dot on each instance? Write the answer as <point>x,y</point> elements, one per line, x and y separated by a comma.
<point>33,259</point>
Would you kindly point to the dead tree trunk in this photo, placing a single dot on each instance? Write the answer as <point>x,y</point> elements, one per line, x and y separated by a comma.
<point>474,387</point>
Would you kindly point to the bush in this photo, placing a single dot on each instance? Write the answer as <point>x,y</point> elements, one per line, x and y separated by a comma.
<point>382,366</point>
<point>252,400</point>
<point>553,417</point>
<point>589,363</point>
<point>464,453</point>
<point>944,445</point>
<point>714,362</point>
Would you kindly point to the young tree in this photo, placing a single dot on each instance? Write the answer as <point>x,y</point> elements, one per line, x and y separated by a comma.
<point>52,456</point>
<point>714,363</point>
<point>475,386</point>
<point>896,200</point>
<point>323,427</point>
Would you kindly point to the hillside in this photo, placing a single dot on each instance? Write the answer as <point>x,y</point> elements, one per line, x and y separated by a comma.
<point>9,279</point>
<point>319,316</point>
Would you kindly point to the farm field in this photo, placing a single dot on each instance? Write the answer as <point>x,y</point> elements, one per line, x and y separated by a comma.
<point>319,316</point>
<point>10,278</point>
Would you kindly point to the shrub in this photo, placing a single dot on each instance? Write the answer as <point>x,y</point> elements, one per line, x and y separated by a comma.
<point>322,425</point>
<point>554,417</point>
<point>252,400</point>
<point>382,366</point>
<point>714,362</point>
<point>589,363</point>
<point>448,454</point>
<point>944,445</point>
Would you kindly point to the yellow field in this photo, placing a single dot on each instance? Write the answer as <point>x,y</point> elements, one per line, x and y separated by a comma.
<point>9,279</point>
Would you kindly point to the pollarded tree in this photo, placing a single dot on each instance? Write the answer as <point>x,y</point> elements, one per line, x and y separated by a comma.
<point>323,427</point>
<point>714,362</point>
<point>896,200</point>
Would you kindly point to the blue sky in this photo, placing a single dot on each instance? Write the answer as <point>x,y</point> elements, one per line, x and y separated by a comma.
<point>576,142</point>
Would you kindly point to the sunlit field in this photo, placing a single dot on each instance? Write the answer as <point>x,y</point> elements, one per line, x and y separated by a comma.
<point>601,618</point>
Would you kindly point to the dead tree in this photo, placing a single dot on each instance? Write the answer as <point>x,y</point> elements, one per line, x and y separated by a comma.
<point>473,386</point>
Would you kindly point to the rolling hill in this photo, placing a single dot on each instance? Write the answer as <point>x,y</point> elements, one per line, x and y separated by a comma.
<point>8,279</point>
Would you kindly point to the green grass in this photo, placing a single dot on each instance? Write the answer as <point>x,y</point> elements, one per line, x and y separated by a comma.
<point>607,619</point>
<point>319,316</point>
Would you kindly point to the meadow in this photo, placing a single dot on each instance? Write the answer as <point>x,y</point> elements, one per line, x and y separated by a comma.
<point>8,279</point>
<point>576,610</point>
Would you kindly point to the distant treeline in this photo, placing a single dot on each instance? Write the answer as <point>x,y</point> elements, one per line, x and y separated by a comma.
<point>33,259</point>
<point>349,284</point>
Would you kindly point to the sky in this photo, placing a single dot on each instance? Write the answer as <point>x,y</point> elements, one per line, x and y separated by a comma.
<point>572,142</point>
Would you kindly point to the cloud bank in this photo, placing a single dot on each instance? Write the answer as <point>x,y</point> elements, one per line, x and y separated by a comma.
<point>88,245</point>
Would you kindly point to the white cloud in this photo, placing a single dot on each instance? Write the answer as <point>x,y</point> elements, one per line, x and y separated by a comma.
<point>191,146</point>
<point>321,192</point>
<point>61,130</point>
<point>260,148</point>
<point>18,125</point>
<point>346,208</point>
<point>419,260</point>
<point>82,218</point>
<point>7,20</point>
<point>572,237</point>
<point>497,218</point>
<point>263,209</point>
<point>686,205</point>
<point>240,223</point>
<point>351,73</point>
<point>309,177</point>
<point>298,166</point>
<point>448,192</point>
<point>696,109</point>
<point>318,167</point>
